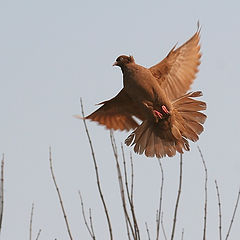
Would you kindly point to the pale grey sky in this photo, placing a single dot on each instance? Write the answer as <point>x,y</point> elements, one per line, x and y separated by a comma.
<point>54,52</point>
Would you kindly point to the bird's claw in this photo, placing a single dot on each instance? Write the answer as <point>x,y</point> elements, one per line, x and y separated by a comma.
<point>163,113</point>
<point>165,109</point>
<point>158,114</point>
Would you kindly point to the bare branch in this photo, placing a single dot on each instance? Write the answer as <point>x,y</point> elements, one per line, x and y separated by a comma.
<point>233,216</point>
<point>160,199</point>
<point>205,189</point>
<point>59,195</point>
<point>130,198</point>
<point>125,175</point>
<point>219,211</point>
<point>182,234</point>
<point>178,197</point>
<point>132,176</point>
<point>147,229</point>
<point>91,223</point>
<point>97,175</point>
<point>1,192</point>
<point>127,218</point>
<point>163,229</point>
<point>84,217</point>
<point>30,224</point>
<point>39,232</point>
<point>127,188</point>
<point>127,227</point>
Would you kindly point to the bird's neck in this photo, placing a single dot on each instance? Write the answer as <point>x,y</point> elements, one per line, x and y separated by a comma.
<point>126,68</point>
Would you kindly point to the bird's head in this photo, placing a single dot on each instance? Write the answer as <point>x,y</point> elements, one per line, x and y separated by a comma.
<point>123,60</point>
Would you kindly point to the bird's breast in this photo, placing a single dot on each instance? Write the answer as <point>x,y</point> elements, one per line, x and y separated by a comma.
<point>142,86</point>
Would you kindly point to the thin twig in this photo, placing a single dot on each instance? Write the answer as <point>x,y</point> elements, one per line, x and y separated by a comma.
<point>177,201</point>
<point>114,147</point>
<point>84,217</point>
<point>59,195</point>
<point>125,175</point>
<point>233,216</point>
<point>30,224</point>
<point>97,175</point>
<point>91,223</point>
<point>1,192</point>
<point>38,234</point>
<point>127,227</point>
<point>132,176</point>
<point>130,200</point>
<point>205,189</point>
<point>219,211</point>
<point>182,234</point>
<point>160,199</point>
<point>147,229</point>
<point>163,229</point>
<point>127,188</point>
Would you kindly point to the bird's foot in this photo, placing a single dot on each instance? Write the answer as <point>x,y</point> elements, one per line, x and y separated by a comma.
<point>158,114</point>
<point>164,108</point>
<point>162,114</point>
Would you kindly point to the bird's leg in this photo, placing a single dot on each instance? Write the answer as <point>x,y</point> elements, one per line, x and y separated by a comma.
<point>157,115</point>
<point>161,114</point>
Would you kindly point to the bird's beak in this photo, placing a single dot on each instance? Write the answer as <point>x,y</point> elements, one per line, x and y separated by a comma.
<point>115,64</point>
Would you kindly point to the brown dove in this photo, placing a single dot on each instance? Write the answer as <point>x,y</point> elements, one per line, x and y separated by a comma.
<point>158,97</point>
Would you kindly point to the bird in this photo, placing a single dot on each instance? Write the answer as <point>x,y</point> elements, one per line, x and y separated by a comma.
<point>156,104</point>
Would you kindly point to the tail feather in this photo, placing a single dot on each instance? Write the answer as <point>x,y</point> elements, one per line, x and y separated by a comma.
<point>190,105</point>
<point>176,133</point>
<point>190,134</point>
<point>170,148</point>
<point>194,116</point>
<point>151,139</point>
<point>168,136</point>
<point>185,130</point>
<point>158,146</point>
<point>180,147</point>
<point>139,132</point>
<point>196,127</point>
<point>150,148</point>
<point>145,140</point>
<point>188,115</point>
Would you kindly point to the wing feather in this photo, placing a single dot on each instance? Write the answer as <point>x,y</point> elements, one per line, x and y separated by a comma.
<point>176,72</point>
<point>117,113</point>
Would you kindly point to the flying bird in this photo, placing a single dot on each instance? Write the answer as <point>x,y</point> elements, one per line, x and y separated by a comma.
<point>159,97</point>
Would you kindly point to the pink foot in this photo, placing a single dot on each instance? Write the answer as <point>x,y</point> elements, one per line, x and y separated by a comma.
<point>165,109</point>
<point>158,114</point>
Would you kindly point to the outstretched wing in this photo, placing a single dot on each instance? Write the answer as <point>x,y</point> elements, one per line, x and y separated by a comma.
<point>117,113</point>
<point>176,72</point>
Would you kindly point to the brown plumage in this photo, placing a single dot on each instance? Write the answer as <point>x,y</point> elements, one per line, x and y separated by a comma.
<point>158,97</point>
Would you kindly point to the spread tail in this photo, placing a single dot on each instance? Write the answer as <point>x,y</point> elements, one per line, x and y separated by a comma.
<point>168,136</point>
